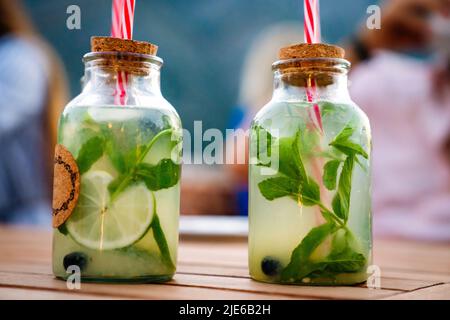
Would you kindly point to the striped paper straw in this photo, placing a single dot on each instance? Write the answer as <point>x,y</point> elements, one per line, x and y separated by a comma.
<point>122,27</point>
<point>312,21</point>
<point>312,35</point>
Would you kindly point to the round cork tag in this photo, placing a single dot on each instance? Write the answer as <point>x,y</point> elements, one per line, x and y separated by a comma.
<point>66,185</point>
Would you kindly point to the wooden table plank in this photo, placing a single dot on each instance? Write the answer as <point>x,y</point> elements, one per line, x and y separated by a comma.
<point>416,275</point>
<point>194,271</point>
<point>242,284</point>
<point>440,292</point>
<point>390,283</point>
<point>129,291</point>
<point>416,256</point>
<point>217,269</point>
<point>12,293</point>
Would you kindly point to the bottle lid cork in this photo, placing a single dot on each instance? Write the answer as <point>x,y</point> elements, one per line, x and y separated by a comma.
<point>109,44</point>
<point>316,50</point>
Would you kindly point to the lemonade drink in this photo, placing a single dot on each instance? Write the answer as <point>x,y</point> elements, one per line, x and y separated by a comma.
<point>125,225</point>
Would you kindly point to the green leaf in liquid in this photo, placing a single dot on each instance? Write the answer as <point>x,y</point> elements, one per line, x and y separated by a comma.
<point>343,143</point>
<point>89,153</point>
<point>278,187</point>
<point>330,173</point>
<point>341,201</point>
<point>163,175</point>
<point>300,264</point>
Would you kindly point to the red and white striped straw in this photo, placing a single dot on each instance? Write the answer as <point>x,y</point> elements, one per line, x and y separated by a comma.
<point>312,21</point>
<point>313,35</point>
<point>122,19</point>
<point>122,27</point>
<point>116,20</point>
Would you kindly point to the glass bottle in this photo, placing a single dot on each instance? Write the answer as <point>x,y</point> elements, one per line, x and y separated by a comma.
<point>309,175</point>
<point>117,170</point>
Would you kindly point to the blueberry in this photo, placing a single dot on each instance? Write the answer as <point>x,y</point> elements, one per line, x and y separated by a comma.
<point>270,266</point>
<point>75,258</point>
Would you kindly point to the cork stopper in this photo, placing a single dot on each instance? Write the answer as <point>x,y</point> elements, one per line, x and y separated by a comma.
<point>136,63</point>
<point>316,50</point>
<point>302,72</point>
<point>109,44</point>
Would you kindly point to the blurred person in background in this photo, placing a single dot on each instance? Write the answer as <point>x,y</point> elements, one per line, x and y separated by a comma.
<point>32,93</point>
<point>408,103</point>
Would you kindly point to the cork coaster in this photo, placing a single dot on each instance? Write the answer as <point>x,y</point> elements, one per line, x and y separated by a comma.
<point>109,44</point>
<point>66,185</point>
<point>316,50</point>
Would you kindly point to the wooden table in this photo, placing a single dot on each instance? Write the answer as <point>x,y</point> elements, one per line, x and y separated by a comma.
<point>217,269</point>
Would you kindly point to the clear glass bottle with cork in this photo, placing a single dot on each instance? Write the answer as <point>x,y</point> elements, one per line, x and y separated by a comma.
<point>117,164</point>
<point>310,201</point>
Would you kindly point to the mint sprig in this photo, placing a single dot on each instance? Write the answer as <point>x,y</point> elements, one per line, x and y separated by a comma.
<point>292,181</point>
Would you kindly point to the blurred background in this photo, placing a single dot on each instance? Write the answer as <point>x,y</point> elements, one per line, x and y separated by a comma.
<point>203,43</point>
<point>214,53</point>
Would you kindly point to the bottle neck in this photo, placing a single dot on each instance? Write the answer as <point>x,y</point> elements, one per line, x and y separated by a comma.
<point>336,90</point>
<point>107,73</point>
<point>307,80</point>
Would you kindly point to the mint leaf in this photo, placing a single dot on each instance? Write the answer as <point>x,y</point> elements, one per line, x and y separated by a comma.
<point>161,241</point>
<point>327,108</point>
<point>163,175</point>
<point>123,162</point>
<point>288,164</point>
<point>309,189</point>
<point>336,205</point>
<point>278,187</point>
<point>345,134</point>
<point>297,156</point>
<point>343,143</point>
<point>327,215</point>
<point>116,157</point>
<point>330,174</point>
<point>349,148</point>
<point>342,257</point>
<point>89,153</point>
<point>341,201</point>
<point>346,261</point>
<point>307,141</point>
<point>294,181</point>
<point>310,193</point>
<point>262,143</point>
<point>300,264</point>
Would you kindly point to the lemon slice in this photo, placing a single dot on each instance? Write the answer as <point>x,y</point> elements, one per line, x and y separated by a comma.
<point>100,225</point>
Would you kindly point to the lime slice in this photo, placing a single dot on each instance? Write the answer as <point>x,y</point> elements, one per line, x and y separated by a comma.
<point>99,225</point>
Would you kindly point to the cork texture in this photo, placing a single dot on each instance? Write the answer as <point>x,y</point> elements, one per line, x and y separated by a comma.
<point>109,44</point>
<point>317,50</point>
<point>66,185</point>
